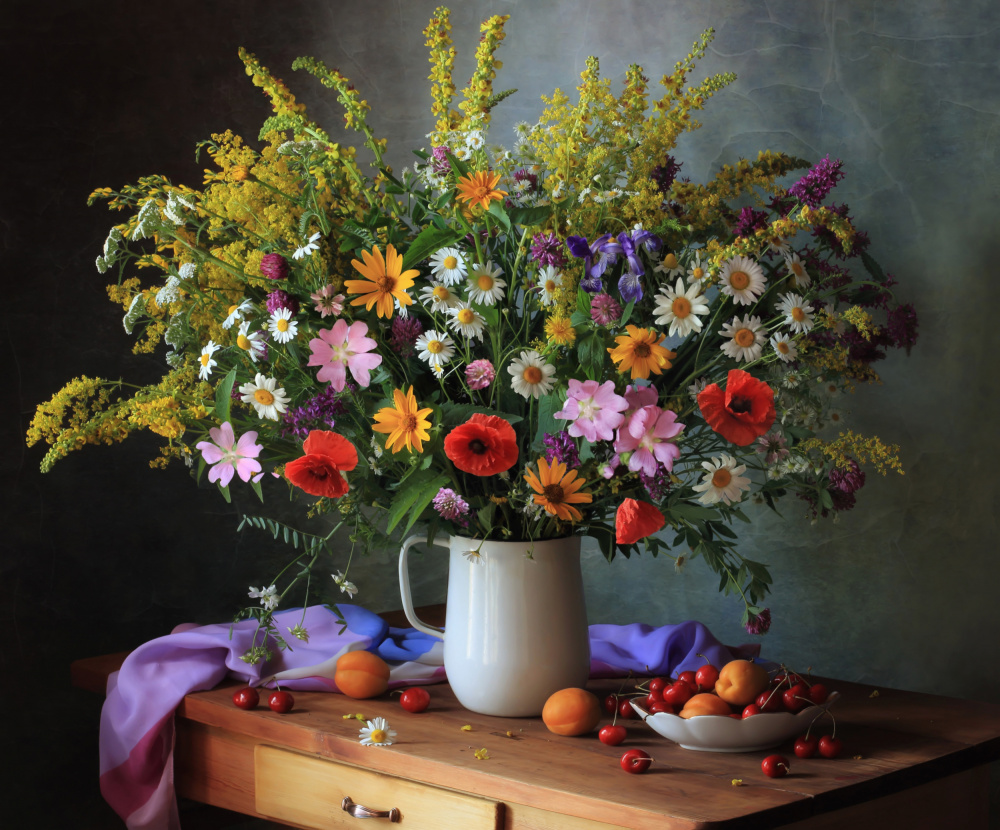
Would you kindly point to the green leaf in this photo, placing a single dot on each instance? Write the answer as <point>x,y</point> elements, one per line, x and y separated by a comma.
<point>426,496</point>
<point>429,240</point>
<point>497,212</point>
<point>627,313</point>
<point>256,488</point>
<point>526,216</point>
<point>222,396</point>
<point>225,494</point>
<point>693,512</point>
<point>579,318</point>
<point>403,501</point>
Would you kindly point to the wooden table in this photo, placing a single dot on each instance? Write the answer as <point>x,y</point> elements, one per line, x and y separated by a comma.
<point>910,761</point>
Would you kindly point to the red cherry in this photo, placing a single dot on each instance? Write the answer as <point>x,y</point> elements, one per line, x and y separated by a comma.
<point>625,710</point>
<point>246,698</point>
<point>651,700</point>
<point>796,698</point>
<point>635,761</point>
<point>706,677</point>
<point>657,684</point>
<point>662,706</point>
<point>690,678</point>
<point>677,694</point>
<point>775,766</point>
<point>818,693</point>
<point>611,704</point>
<point>751,710</point>
<point>280,701</point>
<point>769,701</point>
<point>415,700</point>
<point>830,747</point>
<point>612,734</point>
<point>805,746</point>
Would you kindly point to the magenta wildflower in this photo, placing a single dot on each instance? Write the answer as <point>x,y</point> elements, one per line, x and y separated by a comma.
<point>593,408</point>
<point>605,309</point>
<point>479,374</point>
<point>528,179</point>
<point>664,174</point>
<point>327,302</point>
<point>405,331</point>
<point>228,456</point>
<point>450,505</point>
<point>648,435</point>
<point>319,412</point>
<point>759,623</point>
<point>772,447</point>
<point>560,447</point>
<point>750,220</point>
<point>657,485</point>
<point>341,348</point>
<point>901,327</point>
<point>282,299</point>
<point>548,249</point>
<point>274,267</point>
<point>816,185</point>
<point>439,161</point>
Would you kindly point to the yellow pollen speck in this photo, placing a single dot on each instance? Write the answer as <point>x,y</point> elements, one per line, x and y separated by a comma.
<point>797,269</point>
<point>233,308</point>
<point>698,273</point>
<point>466,316</point>
<point>485,282</point>
<point>377,736</point>
<point>782,346</point>
<point>441,292</point>
<point>670,261</point>
<point>204,359</point>
<point>798,315</point>
<point>243,342</point>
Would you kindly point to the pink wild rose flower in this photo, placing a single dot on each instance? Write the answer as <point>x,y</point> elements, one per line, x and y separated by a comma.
<point>345,346</point>
<point>228,456</point>
<point>594,410</point>
<point>647,436</point>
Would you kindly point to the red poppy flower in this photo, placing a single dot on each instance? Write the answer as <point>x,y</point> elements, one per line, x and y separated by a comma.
<point>484,445</point>
<point>318,472</point>
<point>636,520</point>
<point>741,413</point>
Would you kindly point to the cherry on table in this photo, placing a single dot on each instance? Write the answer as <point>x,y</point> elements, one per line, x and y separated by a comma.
<point>775,766</point>
<point>415,699</point>
<point>612,734</point>
<point>635,761</point>
<point>830,747</point>
<point>246,698</point>
<point>280,701</point>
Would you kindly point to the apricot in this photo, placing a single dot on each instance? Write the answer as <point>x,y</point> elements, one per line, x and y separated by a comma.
<point>705,704</point>
<point>740,681</point>
<point>361,674</point>
<point>571,712</point>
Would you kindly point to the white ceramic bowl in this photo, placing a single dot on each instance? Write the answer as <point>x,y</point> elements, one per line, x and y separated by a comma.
<point>717,733</point>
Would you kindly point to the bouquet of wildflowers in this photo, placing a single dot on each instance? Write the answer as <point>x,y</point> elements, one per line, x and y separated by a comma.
<point>563,336</point>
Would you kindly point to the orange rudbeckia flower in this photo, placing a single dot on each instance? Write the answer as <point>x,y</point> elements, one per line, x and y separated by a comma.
<point>480,189</point>
<point>385,281</point>
<point>405,425</point>
<point>640,351</point>
<point>557,490</point>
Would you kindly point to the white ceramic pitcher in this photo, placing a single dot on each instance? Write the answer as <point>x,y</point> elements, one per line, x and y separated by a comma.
<point>516,621</point>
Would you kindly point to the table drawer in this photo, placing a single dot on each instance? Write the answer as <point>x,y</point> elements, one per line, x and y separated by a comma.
<point>310,791</point>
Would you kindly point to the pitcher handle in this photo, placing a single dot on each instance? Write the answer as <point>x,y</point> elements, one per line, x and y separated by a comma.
<point>404,586</point>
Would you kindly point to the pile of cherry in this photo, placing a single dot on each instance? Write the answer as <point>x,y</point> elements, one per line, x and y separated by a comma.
<point>786,691</point>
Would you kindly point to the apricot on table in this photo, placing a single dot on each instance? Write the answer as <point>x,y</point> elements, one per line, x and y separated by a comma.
<point>571,712</point>
<point>361,674</point>
<point>740,681</point>
<point>705,703</point>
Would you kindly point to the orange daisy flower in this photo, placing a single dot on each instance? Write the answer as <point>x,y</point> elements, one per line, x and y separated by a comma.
<point>558,490</point>
<point>640,351</point>
<point>480,189</point>
<point>385,281</point>
<point>405,425</point>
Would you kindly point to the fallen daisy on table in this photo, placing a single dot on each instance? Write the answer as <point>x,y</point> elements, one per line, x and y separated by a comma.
<point>377,733</point>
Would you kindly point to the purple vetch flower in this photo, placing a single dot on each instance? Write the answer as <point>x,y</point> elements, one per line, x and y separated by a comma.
<point>282,299</point>
<point>560,447</point>
<point>319,412</point>
<point>816,185</point>
<point>405,331</point>
<point>479,374</point>
<point>750,220</point>
<point>759,623</point>
<point>604,309</point>
<point>664,174</point>
<point>450,505</point>
<point>274,267</point>
<point>657,485</point>
<point>548,249</point>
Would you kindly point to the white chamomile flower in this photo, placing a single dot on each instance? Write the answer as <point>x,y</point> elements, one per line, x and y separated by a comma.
<point>268,596</point>
<point>448,266</point>
<point>531,375</point>
<point>669,265</point>
<point>466,321</point>
<point>485,285</point>
<point>549,279</point>
<point>836,418</point>
<point>376,733</point>
<point>281,325</point>
<point>784,347</point>
<point>207,363</point>
<point>236,312</point>
<point>697,272</point>
<point>798,313</point>
<point>742,279</point>
<point>308,249</point>
<point>797,271</point>
<point>746,338</point>
<point>681,308</point>
<point>696,388</point>
<point>439,297</point>
<point>346,587</point>
<point>461,153</point>
<point>723,481</point>
<point>435,348</point>
<point>264,395</point>
<point>472,555</point>
<point>252,342</point>
<point>474,140</point>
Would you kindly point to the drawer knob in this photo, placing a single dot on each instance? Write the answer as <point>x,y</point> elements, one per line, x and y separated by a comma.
<point>360,811</point>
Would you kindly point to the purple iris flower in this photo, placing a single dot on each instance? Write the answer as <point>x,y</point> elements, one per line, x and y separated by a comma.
<point>630,284</point>
<point>597,256</point>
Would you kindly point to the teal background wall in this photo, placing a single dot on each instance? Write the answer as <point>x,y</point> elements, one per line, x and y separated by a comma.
<point>104,553</point>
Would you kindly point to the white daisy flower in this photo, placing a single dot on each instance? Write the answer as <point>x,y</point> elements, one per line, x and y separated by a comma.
<point>281,325</point>
<point>264,395</point>
<point>669,266</point>
<point>252,342</point>
<point>784,347</point>
<point>797,271</point>
<point>435,348</point>
<point>780,246</point>
<point>681,308</point>
<point>466,321</point>
<point>836,418</point>
<point>473,556</point>
<point>549,279</point>
<point>439,297</point>
<point>346,587</point>
<point>531,375</point>
<point>798,312</point>
<point>236,313</point>
<point>742,279</point>
<point>461,153</point>
<point>268,596</point>
<point>448,265</point>
<point>474,140</point>
<point>696,388</point>
<point>746,338</point>
<point>723,481</point>
<point>376,733</point>
<point>308,249</point>
<point>697,272</point>
<point>485,285</point>
<point>207,363</point>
